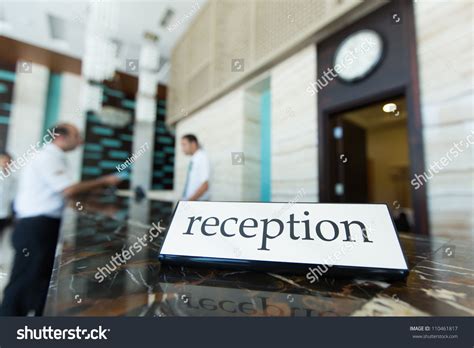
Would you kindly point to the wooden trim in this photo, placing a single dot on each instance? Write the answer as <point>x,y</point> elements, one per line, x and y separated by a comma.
<point>13,51</point>
<point>410,89</point>
<point>415,126</point>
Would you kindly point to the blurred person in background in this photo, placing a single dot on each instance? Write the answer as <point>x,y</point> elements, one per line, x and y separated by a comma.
<point>7,191</point>
<point>196,187</point>
<point>44,185</point>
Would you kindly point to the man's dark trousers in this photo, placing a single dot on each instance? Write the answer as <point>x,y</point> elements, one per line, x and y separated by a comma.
<point>34,240</point>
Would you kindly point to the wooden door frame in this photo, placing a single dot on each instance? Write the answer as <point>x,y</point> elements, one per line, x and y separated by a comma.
<point>411,93</point>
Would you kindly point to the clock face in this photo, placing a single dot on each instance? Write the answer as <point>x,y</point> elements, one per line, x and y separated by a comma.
<point>358,55</point>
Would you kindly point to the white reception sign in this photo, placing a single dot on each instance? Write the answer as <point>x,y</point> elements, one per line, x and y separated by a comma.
<point>283,236</point>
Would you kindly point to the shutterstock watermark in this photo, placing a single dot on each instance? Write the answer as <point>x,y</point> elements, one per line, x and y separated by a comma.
<point>21,161</point>
<point>122,257</point>
<point>318,271</point>
<point>185,18</point>
<point>50,334</point>
<point>299,195</point>
<point>437,166</point>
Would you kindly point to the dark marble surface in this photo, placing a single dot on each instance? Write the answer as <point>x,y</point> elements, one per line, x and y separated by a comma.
<point>440,282</point>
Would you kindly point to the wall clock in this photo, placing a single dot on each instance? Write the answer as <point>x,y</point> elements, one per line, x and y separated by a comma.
<point>358,55</point>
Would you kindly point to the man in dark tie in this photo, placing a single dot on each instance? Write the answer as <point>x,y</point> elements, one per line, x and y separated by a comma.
<point>197,185</point>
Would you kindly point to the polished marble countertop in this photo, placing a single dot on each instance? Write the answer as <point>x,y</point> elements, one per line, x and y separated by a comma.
<point>440,282</point>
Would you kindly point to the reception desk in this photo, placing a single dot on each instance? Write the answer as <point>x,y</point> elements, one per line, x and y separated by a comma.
<point>87,282</point>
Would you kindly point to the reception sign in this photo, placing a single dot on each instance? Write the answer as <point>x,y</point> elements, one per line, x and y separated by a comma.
<point>341,239</point>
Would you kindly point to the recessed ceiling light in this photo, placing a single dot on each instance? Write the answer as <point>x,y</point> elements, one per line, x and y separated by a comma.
<point>389,107</point>
<point>57,28</point>
<point>2,13</point>
<point>4,25</point>
<point>165,20</point>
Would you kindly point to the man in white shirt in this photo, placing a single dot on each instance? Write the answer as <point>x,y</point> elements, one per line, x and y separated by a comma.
<point>7,191</point>
<point>196,186</point>
<point>44,184</point>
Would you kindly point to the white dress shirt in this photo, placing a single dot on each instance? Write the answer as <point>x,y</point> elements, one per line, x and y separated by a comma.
<point>41,183</point>
<point>7,194</point>
<point>198,173</point>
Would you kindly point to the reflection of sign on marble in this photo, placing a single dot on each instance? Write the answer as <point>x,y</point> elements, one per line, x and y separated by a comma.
<point>198,300</point>
<point>305,234</point>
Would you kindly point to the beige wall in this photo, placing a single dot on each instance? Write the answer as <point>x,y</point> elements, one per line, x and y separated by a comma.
<point>231,124</point>
<point>446,70</point>
<point>219,127</point>
<point>261,33</point>
<point>294,128</point>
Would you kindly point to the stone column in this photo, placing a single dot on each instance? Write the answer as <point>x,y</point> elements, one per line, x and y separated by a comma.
<point>145,114</point>
<point>28,107</point>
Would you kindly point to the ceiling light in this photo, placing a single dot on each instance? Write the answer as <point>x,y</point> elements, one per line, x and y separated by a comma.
<point>57,28</point>
<point>389,107</point>
<point>165,20</point>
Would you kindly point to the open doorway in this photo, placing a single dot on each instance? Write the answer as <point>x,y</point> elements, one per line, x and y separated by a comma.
<point>369,161</point>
